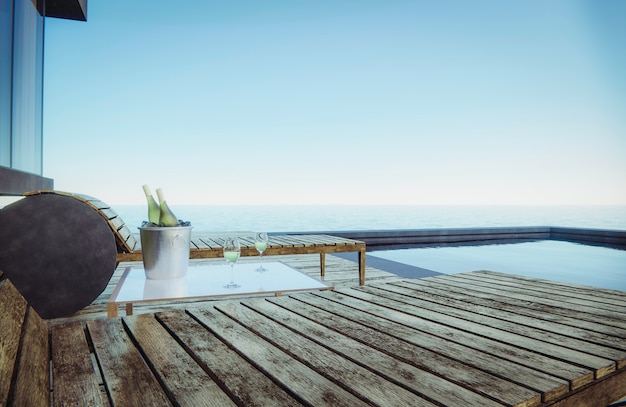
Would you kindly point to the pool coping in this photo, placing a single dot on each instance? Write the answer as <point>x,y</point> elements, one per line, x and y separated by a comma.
<point>410,238</point>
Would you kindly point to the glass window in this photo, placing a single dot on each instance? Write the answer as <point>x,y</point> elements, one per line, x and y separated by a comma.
<point>6,60</point>
<point>27,88</point>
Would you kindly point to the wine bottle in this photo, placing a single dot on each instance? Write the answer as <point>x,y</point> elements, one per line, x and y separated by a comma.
<point>167,217</point>
<point>153,207</point>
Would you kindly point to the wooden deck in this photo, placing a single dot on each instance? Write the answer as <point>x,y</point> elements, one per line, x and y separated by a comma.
<point>473,339</point>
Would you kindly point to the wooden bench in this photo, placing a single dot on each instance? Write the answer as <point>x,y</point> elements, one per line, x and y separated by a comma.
<point>26,350</point>
<point>203,247</point>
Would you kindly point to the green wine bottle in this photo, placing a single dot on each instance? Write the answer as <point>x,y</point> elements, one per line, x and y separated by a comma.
<point>167,217</point>
<point>153,207</point>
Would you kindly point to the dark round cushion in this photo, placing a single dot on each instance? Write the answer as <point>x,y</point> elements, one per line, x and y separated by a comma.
<point>58,252</point>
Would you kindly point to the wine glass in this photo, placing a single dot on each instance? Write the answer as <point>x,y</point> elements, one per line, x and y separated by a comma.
<point>232,250</point>
<point>260,242</point>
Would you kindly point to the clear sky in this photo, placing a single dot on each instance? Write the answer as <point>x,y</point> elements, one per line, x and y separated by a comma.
<point>339,102</point>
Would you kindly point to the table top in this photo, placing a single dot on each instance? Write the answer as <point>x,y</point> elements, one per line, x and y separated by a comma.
<point>208,280</point>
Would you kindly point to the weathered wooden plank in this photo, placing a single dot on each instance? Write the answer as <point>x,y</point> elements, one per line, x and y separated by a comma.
<point>108,213</point>
<point>116,222</point>
<point>210,243</point>
<point>600,366</point>
<point>533,370</point>
<point>199,244</point>
<point>450,304</point>
<point>32,384</point>
<point>181,376</point>
<point>126,237</point>
<point>596,293</point>
<point>369,386</point>
<point>96,203</point>
<point>597,314</point>
<point>74,380</point>
<point>557,334</point>
<point>123,367</point>
<point>246,241</point>
<point>304,383</point>
<point>319,240</point>
<point>442,389</point>
<point>285,240</point>
<point>12,314</point>
<point>521,290</point>
<point>482,373</point>
<point>246,384</point>
<point>599,393</point>
<point>493,305</point>
<point>518,287</point>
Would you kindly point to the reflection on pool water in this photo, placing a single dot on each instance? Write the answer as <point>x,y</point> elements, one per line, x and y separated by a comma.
<point>551,260</point>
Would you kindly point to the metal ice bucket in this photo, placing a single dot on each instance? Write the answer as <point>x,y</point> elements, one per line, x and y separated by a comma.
<point>165,251</point>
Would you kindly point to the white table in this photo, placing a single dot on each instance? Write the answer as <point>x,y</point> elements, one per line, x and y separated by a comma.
<point>205,281</point>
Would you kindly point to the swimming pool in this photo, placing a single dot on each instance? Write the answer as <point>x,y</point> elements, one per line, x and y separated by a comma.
<point>547,259</point>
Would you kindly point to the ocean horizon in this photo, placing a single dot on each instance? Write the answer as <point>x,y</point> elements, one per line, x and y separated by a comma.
<point>278,218</point>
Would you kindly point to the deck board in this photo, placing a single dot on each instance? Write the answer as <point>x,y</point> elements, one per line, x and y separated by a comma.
<point>524,323</point>
<point>515,329</point>
<point>247,385</point>
<point>470,339</point>
<point>531,310</point>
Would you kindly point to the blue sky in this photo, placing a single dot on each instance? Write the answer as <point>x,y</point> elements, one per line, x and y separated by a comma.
<point>339,102</point>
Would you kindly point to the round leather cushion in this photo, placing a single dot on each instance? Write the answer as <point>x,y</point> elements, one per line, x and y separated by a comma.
<point>58,252</point>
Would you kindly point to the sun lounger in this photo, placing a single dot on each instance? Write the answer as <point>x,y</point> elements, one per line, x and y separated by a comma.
<point>210,246</point>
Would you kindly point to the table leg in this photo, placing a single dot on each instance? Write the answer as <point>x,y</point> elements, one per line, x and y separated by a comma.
<point>322,264</point>
<point>362,267</point>
<point>111,310</point>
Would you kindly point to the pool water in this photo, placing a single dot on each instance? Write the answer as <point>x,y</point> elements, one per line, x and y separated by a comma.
<point>552,260</point>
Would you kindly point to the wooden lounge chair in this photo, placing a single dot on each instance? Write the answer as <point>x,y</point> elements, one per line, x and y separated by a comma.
<point>202,247</point>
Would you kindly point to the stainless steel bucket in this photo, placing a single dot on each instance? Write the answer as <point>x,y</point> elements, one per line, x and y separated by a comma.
<point>165,251</point>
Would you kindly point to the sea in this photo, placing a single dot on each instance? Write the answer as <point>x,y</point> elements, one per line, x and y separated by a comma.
<point>212,218</point>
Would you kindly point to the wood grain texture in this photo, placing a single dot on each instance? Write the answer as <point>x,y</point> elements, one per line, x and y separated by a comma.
<point>303,382</point>
<point>245,383</point>
<point>127,376</point>
<point>75,381</point>
<point>12,314</point>
<point>488,384</point>
<point>32,379</point>
<point>471,339</point>
<point>177,371</point>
